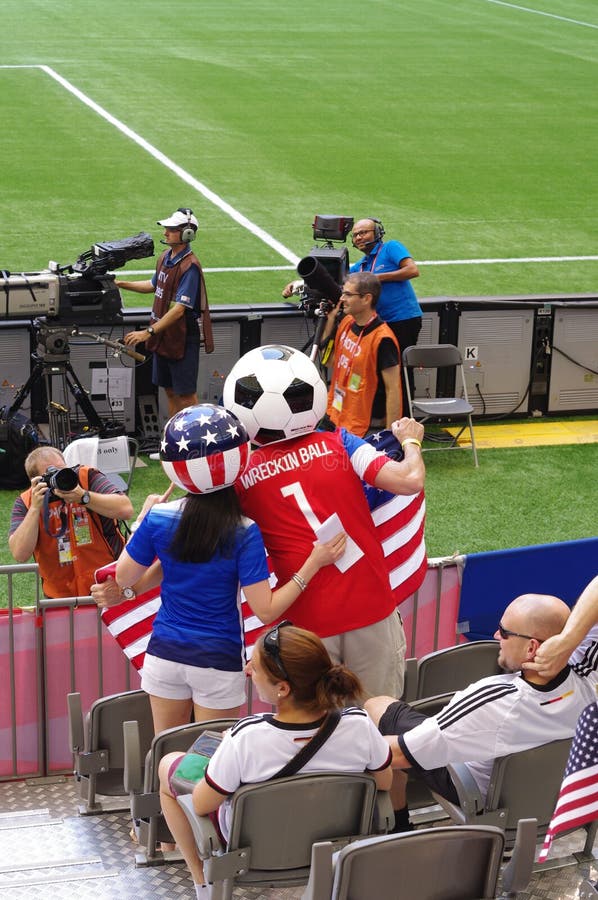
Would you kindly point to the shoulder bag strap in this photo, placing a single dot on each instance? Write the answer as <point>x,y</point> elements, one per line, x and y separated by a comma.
<point>310,749</point>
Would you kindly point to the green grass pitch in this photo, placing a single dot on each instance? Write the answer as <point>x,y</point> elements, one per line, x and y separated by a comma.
<point>468,127</point>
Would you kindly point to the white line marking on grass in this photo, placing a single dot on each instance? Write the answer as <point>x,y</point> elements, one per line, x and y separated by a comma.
<point>421,262</point>
<point>201,188</point>
<point>498,261</point>
<point>540,12</point>
<point>216,269</point>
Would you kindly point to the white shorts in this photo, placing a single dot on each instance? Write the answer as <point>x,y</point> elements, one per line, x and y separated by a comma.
<point>211,688</point>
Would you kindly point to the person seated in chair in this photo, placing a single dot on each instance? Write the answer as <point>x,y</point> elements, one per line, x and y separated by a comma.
<point>496,715</point>
<point>72,531</point>
<point>290,669</point>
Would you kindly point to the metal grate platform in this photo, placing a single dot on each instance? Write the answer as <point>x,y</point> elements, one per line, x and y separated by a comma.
<point>51,852</point>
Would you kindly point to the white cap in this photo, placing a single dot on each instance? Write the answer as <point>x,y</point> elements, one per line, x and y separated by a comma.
<point>179,219</point>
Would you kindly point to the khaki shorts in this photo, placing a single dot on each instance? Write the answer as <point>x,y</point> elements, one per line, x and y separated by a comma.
<point>375,653</point>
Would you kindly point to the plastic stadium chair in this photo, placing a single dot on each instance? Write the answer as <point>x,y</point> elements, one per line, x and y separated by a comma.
<point>275,823</point>
<point>452,669</point>
<point>143,784</point>
<point>445,863</point>
<point>522,784</point>
<point>456,409</point>
<point>98,747</point>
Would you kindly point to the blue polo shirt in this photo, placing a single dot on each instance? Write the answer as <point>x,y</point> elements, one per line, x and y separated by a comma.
<point>397,298</point>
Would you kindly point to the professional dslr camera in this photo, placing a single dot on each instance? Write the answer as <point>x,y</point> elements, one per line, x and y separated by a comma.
<point>60,479</point>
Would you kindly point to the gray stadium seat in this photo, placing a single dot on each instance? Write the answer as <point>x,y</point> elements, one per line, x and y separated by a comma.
<point>522,784</point>
<point>98,749</point>
<point>452,669</point>
<point>142,783</point>
<point>275,823</point>
<point>445,863</point>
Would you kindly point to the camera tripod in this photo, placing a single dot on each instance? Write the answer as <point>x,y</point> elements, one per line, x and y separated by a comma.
<point>51,362</point>
<point>312,345</point>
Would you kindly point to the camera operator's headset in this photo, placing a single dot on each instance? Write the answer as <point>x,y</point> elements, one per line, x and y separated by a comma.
<point>188,231</point>
<point>379,231</point>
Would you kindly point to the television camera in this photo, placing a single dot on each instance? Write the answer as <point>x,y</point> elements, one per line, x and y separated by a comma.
<point>60,301</point>
<point>82,293</point>
<point>323,272</point>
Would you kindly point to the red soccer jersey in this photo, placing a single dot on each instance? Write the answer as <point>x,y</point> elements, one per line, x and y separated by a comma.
<point>289,489</point>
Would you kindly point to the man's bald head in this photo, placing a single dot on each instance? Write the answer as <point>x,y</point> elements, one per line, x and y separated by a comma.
<point>540,615</point>
<point>526,622</point>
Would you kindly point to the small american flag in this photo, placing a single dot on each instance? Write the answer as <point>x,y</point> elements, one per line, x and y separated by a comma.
<point>577,803</point>
<point>399,522</point>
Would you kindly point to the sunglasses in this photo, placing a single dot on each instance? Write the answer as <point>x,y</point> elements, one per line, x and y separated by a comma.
<point>272,646</point>
<point>505,633</point>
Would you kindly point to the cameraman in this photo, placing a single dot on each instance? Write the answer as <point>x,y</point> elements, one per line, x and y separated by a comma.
<point>70,533</point>
<point>173,334</point>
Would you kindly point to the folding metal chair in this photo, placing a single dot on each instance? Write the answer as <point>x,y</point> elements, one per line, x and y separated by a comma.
<point>455,408</point>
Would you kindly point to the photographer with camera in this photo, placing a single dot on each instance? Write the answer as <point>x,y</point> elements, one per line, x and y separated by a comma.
<point>365,387</point>
<point>67,520</point>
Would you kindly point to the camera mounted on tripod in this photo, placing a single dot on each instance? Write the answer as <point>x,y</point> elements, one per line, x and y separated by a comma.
<point>325,268</point>
<point>59,302</point>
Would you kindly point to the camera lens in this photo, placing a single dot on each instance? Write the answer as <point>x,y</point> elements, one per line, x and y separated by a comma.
<point>64,480</point>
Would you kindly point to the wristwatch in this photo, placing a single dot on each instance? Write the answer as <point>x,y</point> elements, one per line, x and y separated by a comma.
<point>150,329</point>
<point>85,498</point>
<point>127,593</point>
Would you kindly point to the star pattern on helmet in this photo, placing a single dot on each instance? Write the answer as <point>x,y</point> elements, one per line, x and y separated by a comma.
<point>201,431</point>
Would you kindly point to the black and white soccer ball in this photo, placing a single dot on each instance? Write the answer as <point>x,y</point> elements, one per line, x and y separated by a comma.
<point>276,392</point>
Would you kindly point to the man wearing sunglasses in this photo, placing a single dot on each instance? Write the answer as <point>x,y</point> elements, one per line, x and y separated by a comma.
<point>496,715</point>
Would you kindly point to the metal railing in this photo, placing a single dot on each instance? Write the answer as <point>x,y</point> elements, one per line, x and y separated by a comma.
<point>49,648</point>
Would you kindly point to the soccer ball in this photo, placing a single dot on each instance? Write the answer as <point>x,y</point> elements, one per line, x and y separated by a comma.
<point>276,392</point>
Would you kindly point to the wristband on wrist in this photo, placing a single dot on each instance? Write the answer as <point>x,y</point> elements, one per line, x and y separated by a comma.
<point>299,581</point>
<point>411,441</point>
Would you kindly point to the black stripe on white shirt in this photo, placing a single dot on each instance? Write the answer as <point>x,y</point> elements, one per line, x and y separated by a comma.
<point>465,706</point>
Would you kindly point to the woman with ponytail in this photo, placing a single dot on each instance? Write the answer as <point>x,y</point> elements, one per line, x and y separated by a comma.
<point>290,669</point>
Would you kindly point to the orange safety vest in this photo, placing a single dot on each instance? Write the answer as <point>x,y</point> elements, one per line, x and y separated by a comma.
<point>355,375</point>
<point>70,577</point>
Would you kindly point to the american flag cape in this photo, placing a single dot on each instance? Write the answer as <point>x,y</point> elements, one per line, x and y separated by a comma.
<point>577,802</point>
<point>399,521</point>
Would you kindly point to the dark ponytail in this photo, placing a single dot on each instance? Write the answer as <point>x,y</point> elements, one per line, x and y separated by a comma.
<point>337,687</point>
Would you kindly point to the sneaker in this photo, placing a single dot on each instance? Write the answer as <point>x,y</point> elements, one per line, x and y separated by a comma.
<point>154,456</point>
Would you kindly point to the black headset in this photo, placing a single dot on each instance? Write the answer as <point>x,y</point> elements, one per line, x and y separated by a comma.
<point>188,231</point>
<point>379,231</point>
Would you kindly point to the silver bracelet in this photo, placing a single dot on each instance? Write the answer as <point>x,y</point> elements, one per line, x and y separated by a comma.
<point>299,581</point>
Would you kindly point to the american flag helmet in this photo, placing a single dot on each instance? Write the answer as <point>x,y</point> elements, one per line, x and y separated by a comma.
<point>204,448</point>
